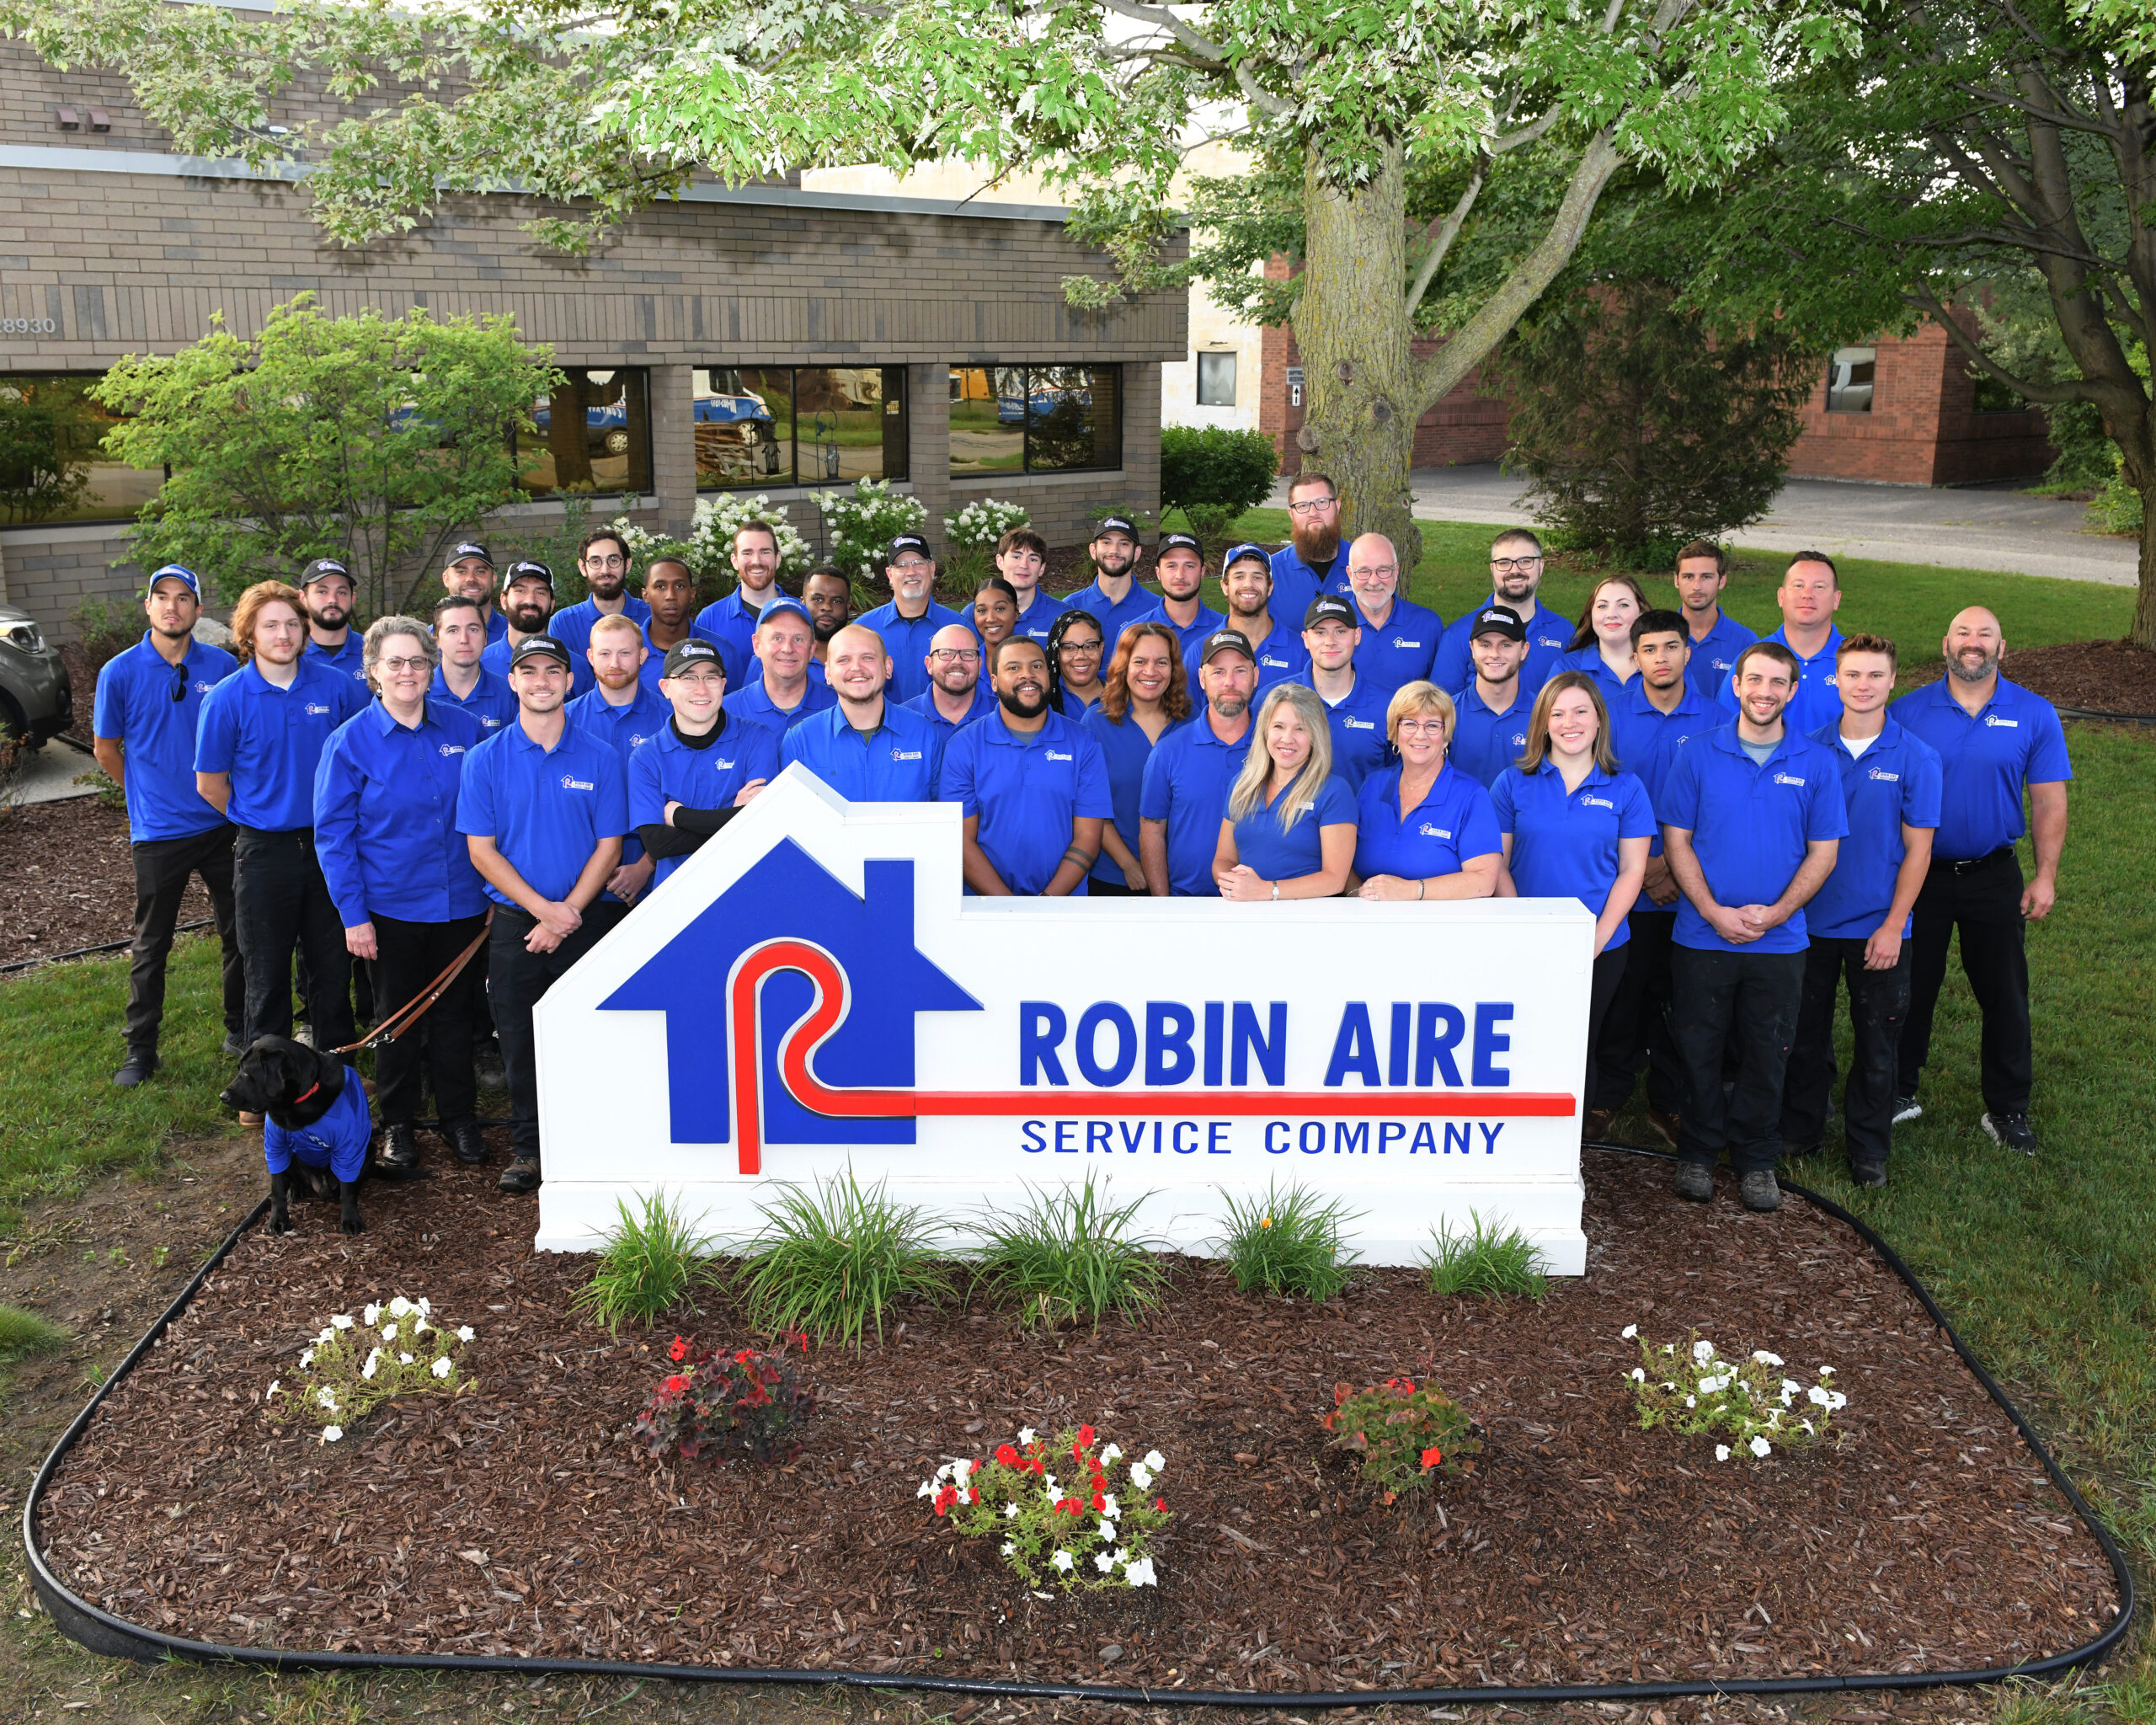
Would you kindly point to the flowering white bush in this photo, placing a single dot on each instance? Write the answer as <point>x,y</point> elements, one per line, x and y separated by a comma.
<point>711,535</point>
<point>1080,1529</point>
<point>863,521</point>
<point>353,1365</point>
<point>1692,1390</point>
<point>980,525</point>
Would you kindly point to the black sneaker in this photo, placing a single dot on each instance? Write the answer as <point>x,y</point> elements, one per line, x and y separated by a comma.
<point>235,1045</point>
<point>1872,1174</point>
<point>2008,1132</point>
<point>140,1063</point>
<point>521,1175</point>
<point>1694,1181</point>
<point>1759,1190</point>
<point>468,1143</point>
<point>1791,1149</point>
<point>487,1069</point>
<point>400,1151</point>
<point>1906,1109</point>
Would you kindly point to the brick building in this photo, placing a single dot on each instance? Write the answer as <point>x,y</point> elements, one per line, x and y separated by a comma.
<point>767,338</point>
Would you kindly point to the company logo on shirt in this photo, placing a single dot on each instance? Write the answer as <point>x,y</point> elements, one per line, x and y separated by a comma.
<point>1595,803</point>
<point>1265,658</point>
<point>1402,641</point>
<point>1051,754</point>
<point>1881,773</point>
<point>1428,831</point>
<point>449,748</point>
<point>2010,724</point>
<point>1787,778</point>
<point>1358,724</point>
<point>906,754</point>
<point>202,688</point>
<point>637,740</point>
<point>314,710</point>
<point>570,782</point>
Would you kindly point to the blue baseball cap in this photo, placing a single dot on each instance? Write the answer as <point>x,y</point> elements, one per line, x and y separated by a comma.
<point>783,606</point>
<point>173,571</point>
<point>1236,553</point>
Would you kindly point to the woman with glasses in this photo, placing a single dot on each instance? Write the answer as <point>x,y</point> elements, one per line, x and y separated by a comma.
<point>1289,830</point>
<point>1423,829</point>
<point>1075,652</point>
<point>1602,645</point>
<point>401,875</point>
<point>1144,697</point>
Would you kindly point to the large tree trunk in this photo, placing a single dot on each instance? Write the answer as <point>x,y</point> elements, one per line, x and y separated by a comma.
<point>2138,450</point>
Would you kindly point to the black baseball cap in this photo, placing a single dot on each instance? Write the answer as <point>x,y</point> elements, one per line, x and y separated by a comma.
<point>693,651</point>
<point>1226,641</point>
<point>1499,620</point>
<point>319,568</point>
<point>1115,523</point>
<point>471,547</point>
<point>1332,607</point>
<point>539,647</point>
<point>528,570</point>
<point>1178,542</point>
<point>907,542</point>
<point>1237,554</point>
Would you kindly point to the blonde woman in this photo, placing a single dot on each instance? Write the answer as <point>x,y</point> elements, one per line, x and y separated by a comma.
<point>1602,646</point>
<point>1423,829</point>
<point>1288,832</point>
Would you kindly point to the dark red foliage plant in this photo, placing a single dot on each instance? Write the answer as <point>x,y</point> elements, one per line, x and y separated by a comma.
<point>751,1403</point>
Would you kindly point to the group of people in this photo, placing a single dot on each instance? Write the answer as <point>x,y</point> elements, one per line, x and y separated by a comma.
<point>1750,824</point>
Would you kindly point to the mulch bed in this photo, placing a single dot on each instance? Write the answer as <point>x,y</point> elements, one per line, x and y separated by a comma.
<point>2098,676</point>
<point>70,881</point>
<point>514,1520</point>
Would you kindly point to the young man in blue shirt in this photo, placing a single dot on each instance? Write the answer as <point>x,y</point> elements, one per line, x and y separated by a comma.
<point>327,589</point>
<point>629,715</point>
<point>1858,921</point>
<point>257,744</point>
<point>1516,564</point>
<point>784,694</point>
<point>867,747</point>
<point>909,623</point>
<point>1312,561</point>
<point>1184,792</point>
<point>148,700</point>
<point>1400,638</point>
<point>732,621</point>
<point>461,680</point>
<point>1022,559</point>
<point>544,806</point>
<point>1275,642</point>
<point>1810,595</point>
<point>469,574</point>
<point>957,693</point>
<point>1752,819</point>
<point>528,600</point>
<point>603,560</point>
<point>1033,786</point>
<point>1354,707</point>
<point>827,596</point>
<point>1113,596</point>
<point>1715,637</point>
<point>1179,566</point>
<point>1489,715</point>
<point>1994,740</point>
<point>703,768</point>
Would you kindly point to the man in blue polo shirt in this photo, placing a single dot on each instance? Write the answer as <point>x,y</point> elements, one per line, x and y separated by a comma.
<point>544,806</point>
<point>1312,562</point>
<point>1354,706</point>
<point>1994,739</point>
<point>1033,786</point>
<point>704,769</point>
<point>460,679</point>
<point>1489,726</point>
<point>1400,638</point>
<point>1715,638</point>
<point>867,747</point>
<point>327,590</point>
<point>785,693</point>
<point>528,600</point>
<point>1179,566</point>
<point>1276,641</point>
<point>149,698</point>
<point>1858,922</point>
<point>1516,562</point>
<point>603,560</point>
<point>1184,792</point>
<point>629,715</point>
<point>1752,819</point>
<point>1022,559</point>
<point>957,693</point>
<point>1810,595</point>
<point>257,743</point>
<point>1113,595</point>
<point>732,621</point>
<point>469,574</point>
<point>909,623</point>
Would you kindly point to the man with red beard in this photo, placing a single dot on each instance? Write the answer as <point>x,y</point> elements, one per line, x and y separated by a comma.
<point>1312,561</point>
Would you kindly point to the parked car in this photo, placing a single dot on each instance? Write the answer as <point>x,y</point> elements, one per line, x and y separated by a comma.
<point>36,701</point>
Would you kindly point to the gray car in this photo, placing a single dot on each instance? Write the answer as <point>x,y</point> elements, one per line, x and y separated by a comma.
<point>36,701</point>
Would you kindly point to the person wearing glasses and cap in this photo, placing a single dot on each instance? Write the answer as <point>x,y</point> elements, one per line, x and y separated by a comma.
<point>1515,579</point>
<point>911,621</point>
<point>1179,566</point>
<point>149,700</point>
<point>1275,643</point>
<point>469,574</point>
<point>528,598</point>
<point>785,693</point>
<point>957,693</point>
<point>700,770</point>
<point>544,805</point>
<point>1354,705</point>
<point>1113,595</point>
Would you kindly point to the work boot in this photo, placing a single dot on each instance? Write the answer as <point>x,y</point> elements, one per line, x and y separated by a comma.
<point>1694,1181</point>
<point>468,1143</point>
<point>1759,1190</point>
<point>138,1066</point>
<point>2008,1131</point>
<point>400,1151</point>
<point>234,1046</point>
<point>1872,1174</point>
<point>521,1175</point>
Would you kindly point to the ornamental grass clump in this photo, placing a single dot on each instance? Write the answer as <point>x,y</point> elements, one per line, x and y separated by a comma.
<point>1404,1436</point>
<point>649,1261</point>
<point>834,1258</point>
<point>356,1363</point>
<point>751,1403</point>
<point>1748,1403</point>
<point>1484,1260</point>
<point>1288,1242</point>
<point>1069,1254</point>
<point>1064,1513</point>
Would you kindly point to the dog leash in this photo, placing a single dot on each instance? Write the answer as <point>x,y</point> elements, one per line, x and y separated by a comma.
<point>406,1015</point>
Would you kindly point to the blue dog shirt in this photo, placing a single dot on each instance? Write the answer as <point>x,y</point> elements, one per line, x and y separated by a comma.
<point>337,1141</point>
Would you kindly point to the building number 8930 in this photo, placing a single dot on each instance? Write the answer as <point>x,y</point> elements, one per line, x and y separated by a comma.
<point>28,326</point>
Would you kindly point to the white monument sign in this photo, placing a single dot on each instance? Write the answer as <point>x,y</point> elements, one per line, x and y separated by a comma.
<point>813,989</point>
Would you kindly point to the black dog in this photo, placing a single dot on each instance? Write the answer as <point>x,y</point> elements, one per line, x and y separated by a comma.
<point>317,1124</point>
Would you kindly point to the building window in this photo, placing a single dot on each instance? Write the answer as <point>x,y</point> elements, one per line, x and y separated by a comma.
<point>1035,419</point>
<point>53,467</point>
<point>594,435</point>
<point>799,425</point>
<point>1993,396</point>
<point>1216,380</point>
<point>1848,380</point>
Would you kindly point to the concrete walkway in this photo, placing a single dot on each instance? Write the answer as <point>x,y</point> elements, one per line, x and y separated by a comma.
<point>1976,527</point>
<point>50,776</point>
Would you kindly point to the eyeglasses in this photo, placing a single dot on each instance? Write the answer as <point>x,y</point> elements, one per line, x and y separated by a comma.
<point>955,655</point>
<point>699,680</point>
<point>1079,646</point>
<point>1423,727</point>
<point>606,562</point>
<point>1514,565</point>
<point>401,667</point>
<point>1373,568</point>
<point>1311,506</point>
<point>913,563</point>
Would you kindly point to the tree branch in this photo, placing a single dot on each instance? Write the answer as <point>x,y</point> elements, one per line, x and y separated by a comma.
<point>1448,232</point>
<point>1924,300</point>
<point>1159,17</point>
<point>1526,134</point>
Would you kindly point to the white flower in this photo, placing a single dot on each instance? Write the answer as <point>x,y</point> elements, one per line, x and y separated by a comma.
<point>928,1489</point>
<point>1113,1511</point>
<point>1836,1400</point>
<point>399,1307</point>
<point>1140,1475</point>
<point>1010,1550</point>
<point>307,1358</point>
<point>1155,1460</point>
<point>1025,1435</point>
<point>373,1360</point>
<point>426,1305</point>
<point>1709,1384</point>
<point>464,1333</point>
<point>1767,1359</point>
<point>326,1399</point>
<point>1826,1371</point>
<point>1062,1560</point>
<point>441,1368</point>
<point>1112,1455</point>
<point>1104,1561</point>
<point>403,1359</point>
<point>1760,1446</point>
<point>1638,1375</point>
<point>1691,1401</point>
<point>1807,1425</point>
<point>372,1315</point>
<point>1628,1333</point>
<point>1669,1386</point>
<point>330,1434</point>
<point>1048,1480</point>
<point>341,1321</point>
<point>272,1389</point>
<point>1107,1531</point>
<point>960,1470</point>
<point>1703,1351</point>
<point>1010,1511</point>
<point>389,1332</point>
<point>1721,1452</point>
<point>1140,1574</point>
<point>1816,1397</point>
<point>327,1335</point>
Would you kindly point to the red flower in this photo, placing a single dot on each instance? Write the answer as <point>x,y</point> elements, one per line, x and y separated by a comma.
<point>1007,1455</point>
<point>945,1498</point>
<point>1085,1435</point>
<point>1431,1456</point>
<point>680,1350</point>
<point>1159,1502</point>
<point>1099,1501</point>
<point>742,1358</point>
<point>676,1384</point>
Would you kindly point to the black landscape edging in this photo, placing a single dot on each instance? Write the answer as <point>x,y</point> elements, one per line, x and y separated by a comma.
<point>101,1632</point>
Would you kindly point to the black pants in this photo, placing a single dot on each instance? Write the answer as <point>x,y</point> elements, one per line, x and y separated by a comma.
<point>1746,1003</point>
<point>517,980</point>
<point>1609,967</point>
<point>284,904</point>
<point>161,869</point>
<point>1879,1002</point>
<point>412,955</point>
<point>1983,900</point>
<point>1635,1033</point>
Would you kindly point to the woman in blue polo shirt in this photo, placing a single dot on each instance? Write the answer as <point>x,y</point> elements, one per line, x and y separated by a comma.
<point>1602,646</point>
<point>1145,696</point>
<point>1075,646</point>
<point>1574,826</point>
<point>1423,829</point>
<point>1289,830</point>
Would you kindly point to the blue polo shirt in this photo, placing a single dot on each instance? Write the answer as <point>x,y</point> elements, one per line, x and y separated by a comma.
<point>385,816</point>
<point>497,627</point>
<point>1588,661</point>
<point>1109,614</point>
<point>582,678</point>
<point>755,704</point>
<point>545,810</point>
<point>1749,826</point>
<point>1646,741</point>
<point>490,701</point>
<point>1272,854</point>
<point>1185,785</point>
<point>1485,743</point>
<point>1281,657</point>
<point>983,703</point>
<point>350,657</point>
<point>667,769</point>
<point>337,1141</point>
<point>1549,639</point>
<point>1025,791</point>
<point>1453,823</point>
<point>1187,639</point>
<point>1296,583</point>
<point>732,623</point>
<point>1125,748</point>
<point>135,706</point>
<point>1401,648</point>
<point>1564,845</point>
<point>1815,700</point>
<point>1714,656</point>
<point>626,729</point>
<point>906,640</point>
<point>270,740</point>
<point>897,762</point>
<point>1984,762</point>
<point>1357,721</point>
<point>1894,784</point>
<point>1036,619</point>
<point>572,624</point>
